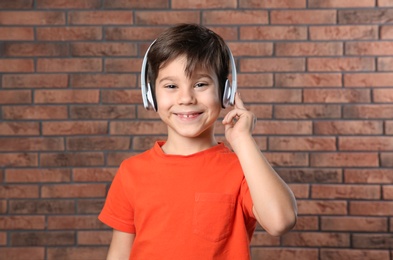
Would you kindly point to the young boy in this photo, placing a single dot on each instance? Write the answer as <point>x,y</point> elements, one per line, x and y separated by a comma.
<point>190,197</point>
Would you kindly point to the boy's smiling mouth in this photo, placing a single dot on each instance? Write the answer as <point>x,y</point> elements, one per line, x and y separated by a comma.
<point>189,115</point>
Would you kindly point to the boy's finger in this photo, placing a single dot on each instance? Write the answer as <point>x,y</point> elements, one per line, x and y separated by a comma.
<point>238,101</point>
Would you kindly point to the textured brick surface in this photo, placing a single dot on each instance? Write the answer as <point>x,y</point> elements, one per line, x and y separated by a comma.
<point>318,74</point>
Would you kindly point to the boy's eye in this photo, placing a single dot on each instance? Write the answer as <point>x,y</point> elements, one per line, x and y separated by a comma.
<point>199,85</point>
<point>170,86</point>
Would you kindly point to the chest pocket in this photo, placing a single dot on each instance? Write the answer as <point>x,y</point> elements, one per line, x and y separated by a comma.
<point>213,215</point>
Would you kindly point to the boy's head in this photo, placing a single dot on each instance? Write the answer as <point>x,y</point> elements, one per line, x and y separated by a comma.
<point>202,48</point>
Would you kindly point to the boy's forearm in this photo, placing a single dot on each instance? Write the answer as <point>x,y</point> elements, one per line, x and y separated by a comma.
<point>274,203</point>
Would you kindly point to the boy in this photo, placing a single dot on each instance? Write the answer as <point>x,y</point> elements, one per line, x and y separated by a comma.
<point>190,197</point>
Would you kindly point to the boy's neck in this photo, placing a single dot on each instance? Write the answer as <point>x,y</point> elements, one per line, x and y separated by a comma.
<point>187,146</point>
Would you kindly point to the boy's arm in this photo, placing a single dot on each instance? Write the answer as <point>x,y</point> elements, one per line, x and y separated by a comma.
<point>274,203</point>
<point>121,244</point>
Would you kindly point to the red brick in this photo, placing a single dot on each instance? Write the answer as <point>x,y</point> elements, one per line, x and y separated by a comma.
<point>80,252</point>
<point>190,4</point>
<point>322,207</point>
<point>386,32</point>
<point>383,95</point>
<point>273,4</point>
<point>72,159</point>
<point>385,3</point>
<point>69,65</point>
<point>272,64</point>
<point>121,96</point>
<point>17,4</point>
<point>37,175</point>
<point>22,252</point>
<point>331,191</point>
<point>34,112</point>
<point>307,223</point>
<point>132,33</point>
<point>93,174</point>
<point>228,33</point>
<point>235,17</point>
<point>340,3</point>
<point>103,80</point>
<point>273,33</point>
<point>389,127</point>
<point>368,176</point>
<point>381,48</point>
<point>283,253</point>
<point>283,127</point>
<point>307,111</point>
<point>387,192</point>
<point>35,49</point>
<point>302,143</point>
<point>42,206</point>
<point>16,65</point>
<point>368,111</point>
<point>364,16</point>
<point>287,159</point>
<point>344,32</point>
<point>313,239</point>
<point>377,143</point>
<point>385,64</point>
<point>123,65</point>
<point>97,143</point>
<point>341,64</point>
<point>387,159</point>
<point>35,81</point>
<point>336,96</point>
<point>90,206</point>
<point>74,222</point>
<point>102,112</point>
<point>100,17</point>
<point>251,49</point>
<point>308,80</point>
<point>19,191</point>
<point>343,159</point>
<point>375,241</point>
<point>42,238</point>
<point>103,49</point>
<point>15,97</point>
<point>310,175</point>
<point>19,128</point>
<point>94,237</point>
<point>32,18</point>
<point>18,160</point>
<point>260,111</point>
<point>75,128</point>
<point>371,208</point>
<point>66,96</point>
<point>22,222</point>
<point>64,4</point>
<point>142,143</point>
<point>264,239</point>
<point>70,33</point>
<point>253,80</point>
<point>73,191</point>
<point>31,144</point>
<point>308,49</point>
<point>3,206</point>
<point>300,190</point>
<point>303,17</point>
<point>166,17</point>
<point>348,127</point>
<point>16,34</point>
<point>344,254</point>
<point>137,128</point>
<point>136,4</point>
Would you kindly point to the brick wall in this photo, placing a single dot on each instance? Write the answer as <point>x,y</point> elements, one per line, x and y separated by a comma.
<point>317,73</point>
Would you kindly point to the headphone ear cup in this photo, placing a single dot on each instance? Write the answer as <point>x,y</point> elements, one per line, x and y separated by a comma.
<point>226,97</point>
<point>149,96</point>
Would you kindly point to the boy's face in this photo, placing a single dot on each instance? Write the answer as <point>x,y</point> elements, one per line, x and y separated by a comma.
<point>189,106</point>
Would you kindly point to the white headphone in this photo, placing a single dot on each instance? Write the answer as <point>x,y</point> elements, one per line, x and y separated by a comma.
<point>228,98</point>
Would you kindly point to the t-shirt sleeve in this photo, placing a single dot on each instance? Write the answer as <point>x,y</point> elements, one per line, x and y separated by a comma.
<point>118,211</point>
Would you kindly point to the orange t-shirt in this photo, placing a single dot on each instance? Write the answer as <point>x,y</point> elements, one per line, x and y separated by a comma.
<point>182,207</point>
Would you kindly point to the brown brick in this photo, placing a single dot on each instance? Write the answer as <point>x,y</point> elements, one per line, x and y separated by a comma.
<point>32,18</point>
<point>287,159</point>
<point>19,191</point>
<point>308,49</point>
<point>368,111</point>
<point>137,128</point>
<point>100,17</point>
<point>282,253</point>
<point>273,4</point>
<point>189,4</point>
<point>15,97</point>
<point>389,127</point>
<point>307,111</point>
<point>341,64</point>
<point>66,96</point>
<point>308,80</point>
<point>18,160</point>
<point>103,80</point>
<point>381,48</point>
<point>93,174</point>
<point>16,33</point>
<point>17,4</point>
<point>386,32</point>
<point>74,222</point>
<point>385,3</point>
<point>70,33</point>
<point>260,111</point>
<point>69,65</point>
<point>307,223</point>
<point>273,33</point>
<point>73,191</point>
<point>90,206</point>
<point>283,127</point>
<point>387,192</point>
<point>310,175</point>
<point>302,143</point>
<point>116,158</point>
<point>303,17</point>
<point>340,3</point>
<point>22,252</point>
<point>254,80</point>
<point>97,143</point>
<point>22,222</point>
<point>383,95</point>
<point>142,143</point>
<point>340,191</point>
<point>371,208</point>
<point>166,17</point>
<point>102,112</point>
<point>264,239</point>
<point>365,16</point>
<point>123,65</point>
<point>103,49</point>
<point>80,252</point>
<point>385,64</point>
<point>16,65</point>
<point>228,33</point>
<point>132,33</point>
<point>235,17</point>
<point>336,96</point>
<point>136,4</point>
<point>94,237</point>
<point>313,239</point>
<point>387,159</point>
<point>343,159</point>
<point>72,159</point>
<point>344,32</point>
<point>35,49</point>
<point>62,4</point>
<point>322,207</point>
<point>42,238</point>
<point>19,128</point>
<point>348,127</point>
<point>251,49</point>
<point>121,96</point>
<point>37,175</point>
<point>377,143</point>
<point>343,254</point>
<point>31,144</point>
<point>3,206</point>
<point>375,241</point>
<point>301,191</point>
<point>75,128</point>
<point>35,81</point>
<point>368,176</point>
<point>34,112</point>
<point>42,206</point>
<point>272,64</point>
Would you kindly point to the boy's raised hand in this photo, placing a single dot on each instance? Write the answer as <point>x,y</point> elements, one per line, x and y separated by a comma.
<point>239,122</point>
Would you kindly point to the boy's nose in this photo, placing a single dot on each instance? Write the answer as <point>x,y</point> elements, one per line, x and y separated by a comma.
<point>186,96</point>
